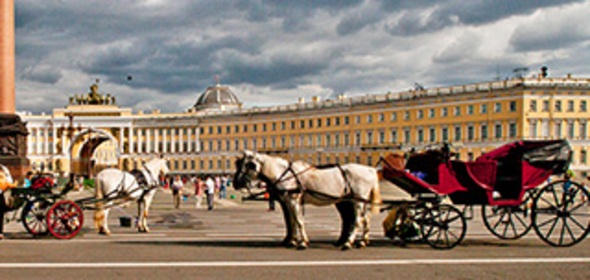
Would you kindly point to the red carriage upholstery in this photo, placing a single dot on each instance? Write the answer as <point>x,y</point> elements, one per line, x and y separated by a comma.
<point>42,182</point>
<point>509,170</point>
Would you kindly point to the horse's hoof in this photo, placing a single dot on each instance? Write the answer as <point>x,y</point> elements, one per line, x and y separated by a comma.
<point>301,246</point>
<point>361,244</point>
<point>287,242</point>
<point>338,243</point>
<point>104,232</point>
<point>291,244</point>
<point>346,246</point>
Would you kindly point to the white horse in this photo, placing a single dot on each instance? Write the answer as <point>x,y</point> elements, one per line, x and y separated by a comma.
<point>298,182</point>
<point>114,187</point>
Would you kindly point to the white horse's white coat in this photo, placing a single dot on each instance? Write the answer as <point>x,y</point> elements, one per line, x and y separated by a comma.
<point>114,186</point>
<point>300,182</point>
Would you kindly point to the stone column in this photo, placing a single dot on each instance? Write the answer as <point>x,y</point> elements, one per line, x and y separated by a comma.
<point>7,57</point>
<point>165,148</point>
<point>188,139</point>
<point>131,144</point>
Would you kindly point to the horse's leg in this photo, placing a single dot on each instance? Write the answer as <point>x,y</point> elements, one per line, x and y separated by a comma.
<point>346,211</point>
<point>358,207</point>
<point>366,221</point>
<point>289,239</point>
<point>105,224</point>
<point>146,209</point>
<point>295,204</point>
<point>140,224</point>
<point>99,218</point>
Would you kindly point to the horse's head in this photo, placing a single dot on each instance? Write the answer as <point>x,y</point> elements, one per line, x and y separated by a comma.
<point>157,167</point>
<point>163,163</point>
<point>247,169</point>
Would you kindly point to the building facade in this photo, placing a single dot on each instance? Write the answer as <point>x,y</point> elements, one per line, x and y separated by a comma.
<point>86,136</point>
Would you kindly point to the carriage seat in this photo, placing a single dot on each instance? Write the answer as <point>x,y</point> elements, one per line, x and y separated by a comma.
<point>425,164</point>
<point>42,184</point>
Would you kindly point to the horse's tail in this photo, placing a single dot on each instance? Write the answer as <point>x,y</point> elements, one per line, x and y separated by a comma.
<point>375,196</point>
<point>99,195</point>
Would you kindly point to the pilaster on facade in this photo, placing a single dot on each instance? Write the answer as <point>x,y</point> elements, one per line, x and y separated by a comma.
<point>165,141</point>
<point>121,139</point>
<point>172,141</point>
<point>156,140</point>
<point>189,142</point>
<point>148,140</point>
<point>131,141</point>
<point>180,139</point>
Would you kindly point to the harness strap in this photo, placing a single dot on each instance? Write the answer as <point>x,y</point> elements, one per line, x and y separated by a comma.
<point>347,194</point>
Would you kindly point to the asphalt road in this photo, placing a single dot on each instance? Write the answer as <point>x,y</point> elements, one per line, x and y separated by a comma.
<point>241,241</point>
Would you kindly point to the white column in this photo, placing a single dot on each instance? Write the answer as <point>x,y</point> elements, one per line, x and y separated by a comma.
<point>121,137</point>
<point>45,140</point>
<point>180,140</point>
<point>54,141</point>
<point>164,140</point>
<point>140,134</point>
<point>156,140</point>
<point>131,151</point>
<point>172,142</point>
<point>189,142</point>
<point>38,140</point>
<point>148,140</point>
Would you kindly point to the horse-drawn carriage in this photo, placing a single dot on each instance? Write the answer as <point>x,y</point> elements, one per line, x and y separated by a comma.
<point>44,210</point>
<point>30,205</point>
<point>504,182</point>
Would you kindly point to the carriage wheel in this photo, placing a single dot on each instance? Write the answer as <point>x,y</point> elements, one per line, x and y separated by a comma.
<point>509,222</point>
<point>65,219</point>
<point>33,217</point>
<point>443,226</point>
<point>561,213</point>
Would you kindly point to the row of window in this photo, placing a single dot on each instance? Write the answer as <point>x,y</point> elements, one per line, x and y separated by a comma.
<point>368,138</point>
<point>558,132</point>
<point>345,120</point>
<point>558,106</point>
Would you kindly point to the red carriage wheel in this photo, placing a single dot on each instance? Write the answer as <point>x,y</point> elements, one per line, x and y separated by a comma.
<point>65,219</point>
<point>33,216</point>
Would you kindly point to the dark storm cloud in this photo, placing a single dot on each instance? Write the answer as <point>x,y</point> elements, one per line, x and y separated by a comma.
<point>43,74</point>
<point>550,33</point>
<point>173,49</point>
<point>454,12</point>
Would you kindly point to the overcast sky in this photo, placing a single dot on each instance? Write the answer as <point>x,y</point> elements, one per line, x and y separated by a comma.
<point>274,51</point>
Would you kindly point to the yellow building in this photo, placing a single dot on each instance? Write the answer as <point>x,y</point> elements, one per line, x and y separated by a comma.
<point>206,138</point>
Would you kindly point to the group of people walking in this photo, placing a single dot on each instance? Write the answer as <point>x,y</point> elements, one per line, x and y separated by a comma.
<point>183,186</point>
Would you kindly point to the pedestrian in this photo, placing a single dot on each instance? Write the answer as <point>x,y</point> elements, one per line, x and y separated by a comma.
<point>223,188</point>
<point>28,179</point>
<point>176,191</point>
<point>210,185</point>
<point>5,183</point>
<point>199,186</point>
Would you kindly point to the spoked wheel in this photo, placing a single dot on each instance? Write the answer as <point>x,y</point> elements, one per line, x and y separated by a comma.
<point>65,219</point>
<point>443,226</point>
<point>33,217</point>
<point>509,222</point>
<point>561,213</point>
